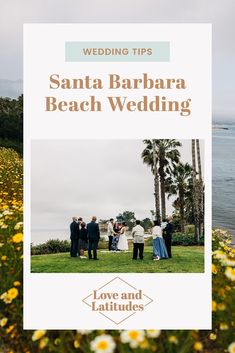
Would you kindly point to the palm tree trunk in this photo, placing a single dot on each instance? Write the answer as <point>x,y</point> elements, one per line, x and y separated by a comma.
<point>199,160</point>
<point>162,186</point>
<point>156,185</point>
<point>200,190</point>
<point>182,213</point>
<point>195,193</point>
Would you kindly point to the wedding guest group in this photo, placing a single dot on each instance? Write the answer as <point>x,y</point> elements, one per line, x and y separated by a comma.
<point>86,237</point>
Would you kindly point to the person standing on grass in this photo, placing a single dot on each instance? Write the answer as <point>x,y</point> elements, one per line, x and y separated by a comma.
<point>79,221</point>
<point>167,235</point>
<point>159,248</point>
<point>93,235</point>
<point>110,233</point>
<point>74,236</point>
<point>138,235</point>
<point>123,242</point>
<point>83,241</point>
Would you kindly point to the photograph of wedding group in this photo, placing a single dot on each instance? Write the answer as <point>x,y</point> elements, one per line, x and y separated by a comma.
<point>117,206</point>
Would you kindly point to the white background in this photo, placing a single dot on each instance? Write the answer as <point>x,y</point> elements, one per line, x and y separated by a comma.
<point>53,301</point>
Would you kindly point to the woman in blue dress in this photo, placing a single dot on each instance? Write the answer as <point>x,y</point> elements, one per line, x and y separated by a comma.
<point>159,248</point>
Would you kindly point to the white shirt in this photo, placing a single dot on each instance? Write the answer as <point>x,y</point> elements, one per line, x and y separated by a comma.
<point>163,225</point>
<point>138,234</point>
<point>156,232</point>
<point>110,229</point>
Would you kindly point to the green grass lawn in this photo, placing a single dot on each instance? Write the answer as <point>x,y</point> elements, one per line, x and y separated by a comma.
<point>185,259</point>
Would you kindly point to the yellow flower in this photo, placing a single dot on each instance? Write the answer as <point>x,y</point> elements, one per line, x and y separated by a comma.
<point>10,328</point>
<point>212,337</point>
<point>38,334</point>
<point>173,339</point>
<point>221,306</point>
<point>12,293</point>
<point>76,344</point>
<point>223,326</point>
<point>8,296</point>
<point>17,283</point>
<point>103,344</point>
<point>214,269</point>
<point>231,348</point>
<point>5,298</point>
<point>17,238</point>
<point>3,322</point>
<point>3,258</point>
<point>133,337</point>
<point>198,346</point>
<point>153,333</point>
<point>144,344</point>
<point>214,305</point>
<point>230,273</point>
<point>43,342</point>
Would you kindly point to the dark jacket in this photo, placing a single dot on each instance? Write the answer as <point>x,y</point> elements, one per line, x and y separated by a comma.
<point>74,230</point>
<point>83,234</point>
<point>93,231</point>
<point>169,230</point>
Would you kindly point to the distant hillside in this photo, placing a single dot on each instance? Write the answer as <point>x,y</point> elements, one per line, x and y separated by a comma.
<point>11,123</point>
<point>11,89</point>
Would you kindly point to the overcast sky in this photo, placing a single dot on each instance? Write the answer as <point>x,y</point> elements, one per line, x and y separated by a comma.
<point>13,13</point>
<point>91,177</point>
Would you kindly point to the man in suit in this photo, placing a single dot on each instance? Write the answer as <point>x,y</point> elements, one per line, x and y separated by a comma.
<point>74,236</point>
<point>111,233</point>
<point>167,235</point>
<point>93,234</point>
<point>138,235</point>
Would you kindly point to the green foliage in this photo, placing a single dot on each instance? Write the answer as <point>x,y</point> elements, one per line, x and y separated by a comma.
<point>52,246</point>
<point>147,224</point>
<point>128,217</point>
<point>189,229</point>
<point>186,239</point>
<point>11,123</point>
<point>176,223</point>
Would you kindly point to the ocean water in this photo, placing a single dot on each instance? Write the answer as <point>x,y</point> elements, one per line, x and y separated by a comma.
<point>223,178</point>
<point>39,236</point>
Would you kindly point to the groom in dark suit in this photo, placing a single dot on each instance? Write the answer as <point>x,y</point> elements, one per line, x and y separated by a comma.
<point>74,235</point>
<point>93,234</point>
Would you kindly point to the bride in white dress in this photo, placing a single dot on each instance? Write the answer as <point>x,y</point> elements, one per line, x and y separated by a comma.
<point>123,243</point>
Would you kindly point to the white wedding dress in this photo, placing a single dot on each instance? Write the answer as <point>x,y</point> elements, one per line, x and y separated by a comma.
<point>122,242</point>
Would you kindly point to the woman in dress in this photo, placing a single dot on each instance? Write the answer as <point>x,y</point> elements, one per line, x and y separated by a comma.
<point>159,248</point>
<point>83,241</point>
<point>123,243</point>
<point>115,237</point>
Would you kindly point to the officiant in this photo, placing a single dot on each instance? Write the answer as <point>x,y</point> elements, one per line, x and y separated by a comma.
<point>74,236</point>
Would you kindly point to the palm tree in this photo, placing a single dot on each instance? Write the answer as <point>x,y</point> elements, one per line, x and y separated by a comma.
<point>149,157</point>
<point>200,191</point>
<point>177,184</point>
<point>199,160</point>
<point>160,154</point>
<point>195,193</point>
<point>167,154</point>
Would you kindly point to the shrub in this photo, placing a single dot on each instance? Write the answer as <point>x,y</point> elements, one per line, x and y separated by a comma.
<point>185,240</point>
<point>180,239</point>
<point>52,246</point>
<point>189,229</point>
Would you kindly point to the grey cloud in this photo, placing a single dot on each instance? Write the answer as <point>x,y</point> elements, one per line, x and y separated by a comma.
<point>86,177</point>
<point>220,13</point>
